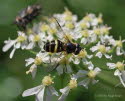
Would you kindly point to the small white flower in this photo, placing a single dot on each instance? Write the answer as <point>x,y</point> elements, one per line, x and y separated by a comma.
<point>42,91</point>
<point>89,76</point>
<point>64,65</point>
<point>40,58</point>
<point>119,70</point>
<point>65,91</point>
<point>20,42</point>
<point>119,46</point>
<point>101,50</point>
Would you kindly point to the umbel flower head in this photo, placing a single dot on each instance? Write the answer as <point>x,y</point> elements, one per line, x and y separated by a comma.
<point>67,46</point>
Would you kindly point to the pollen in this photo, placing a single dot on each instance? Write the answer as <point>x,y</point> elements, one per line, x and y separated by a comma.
<point>120,66</point>
<point>38,61</point>
<point>52,31</point>
<point>69,25</point>
<point>102,49</point>
<point>83,25</point>
<point>100,20</point>
<point>82,54</point>
<point>21,38</point>
<point>105,30</point>
<point>47,80</point>
<point>119,43</point>
<point>85,33</point>
<point>68,17</point>
<point>36,38</point>
<point>44,28</point>
<point>97,31</point>
<point>67,12</point>
<point>73,83</point>
<point>91,74</point>
<point>87,18</point>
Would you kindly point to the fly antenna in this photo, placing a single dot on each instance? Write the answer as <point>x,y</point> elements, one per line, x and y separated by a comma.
<point>61,28</point>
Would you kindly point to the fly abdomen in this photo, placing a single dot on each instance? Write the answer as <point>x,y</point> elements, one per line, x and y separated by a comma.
<point>54,46</point>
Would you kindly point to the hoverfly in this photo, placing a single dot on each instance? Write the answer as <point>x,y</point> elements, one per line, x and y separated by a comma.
<point>27,15</point>
<point>56,46</point>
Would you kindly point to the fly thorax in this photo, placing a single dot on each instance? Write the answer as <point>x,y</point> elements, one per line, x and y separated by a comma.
<point>70,47</point>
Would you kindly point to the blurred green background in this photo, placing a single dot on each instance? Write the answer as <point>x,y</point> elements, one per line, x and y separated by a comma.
<point>13,80</point>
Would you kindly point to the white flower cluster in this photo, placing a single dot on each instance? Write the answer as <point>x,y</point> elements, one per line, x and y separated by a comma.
<point>90,33</point>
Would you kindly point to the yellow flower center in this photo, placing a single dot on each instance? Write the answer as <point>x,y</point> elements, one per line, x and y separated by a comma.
<point>120,66</point>
<point>104,30</point>
<point>36,38</point>
<point>52,31</point>
<point>97,31</point>
<point>91,74</point>
<point>68,17</point>
<point>85,33</point>
<point>69,25</point>
<point>102,49</point>
<point>100,21</point>
<point>38,60</point>
<point>29,31</point>
<point>47,80</point>
<point>21,38</point>
<point>83,25</point>
<point>52,20</point>
<point>44,28</point>
<point>119,43</point>
<point>82,54</point>
<point>67,12</point>
<point>87,18</point>
<point>72,84</point>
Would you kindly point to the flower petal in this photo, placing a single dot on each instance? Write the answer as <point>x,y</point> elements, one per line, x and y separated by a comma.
<point>32,91</point>
<point>29,61</point>
<point>111,65</point>
<point>53,91</point>
<point>40,94</point>
<point>59,69</point>
<point>8,45</point>
<point>117,73</point>
<point>12,53</point>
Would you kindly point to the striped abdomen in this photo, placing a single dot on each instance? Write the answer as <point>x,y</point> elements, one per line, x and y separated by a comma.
<point>54,46</point>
